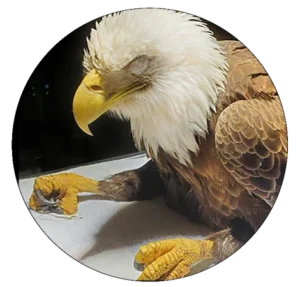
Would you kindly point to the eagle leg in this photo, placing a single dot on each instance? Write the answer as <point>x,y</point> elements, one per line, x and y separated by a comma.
<point>58,193</point>
<point>173,258</point>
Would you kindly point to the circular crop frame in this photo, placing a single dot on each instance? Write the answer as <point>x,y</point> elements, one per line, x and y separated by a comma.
<point>188,152</point>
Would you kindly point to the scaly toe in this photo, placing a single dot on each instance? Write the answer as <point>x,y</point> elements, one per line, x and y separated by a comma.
<point>149,252</point>
<point>171,259</point>
<point>161,265</point>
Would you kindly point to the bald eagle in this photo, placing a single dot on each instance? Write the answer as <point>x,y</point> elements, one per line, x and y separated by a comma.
<point>207,115</point>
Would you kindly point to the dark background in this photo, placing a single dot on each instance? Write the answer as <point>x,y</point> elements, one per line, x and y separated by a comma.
<point>45,135</point>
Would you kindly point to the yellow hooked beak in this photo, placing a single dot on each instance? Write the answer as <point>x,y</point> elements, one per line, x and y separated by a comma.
<point>90,100</point>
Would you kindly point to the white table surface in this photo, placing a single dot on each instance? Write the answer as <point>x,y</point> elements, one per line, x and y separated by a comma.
<point>109,234</point>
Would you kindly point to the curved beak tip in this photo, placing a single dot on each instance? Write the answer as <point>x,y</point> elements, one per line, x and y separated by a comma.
<point>85,128</point>
<point>87,131</point>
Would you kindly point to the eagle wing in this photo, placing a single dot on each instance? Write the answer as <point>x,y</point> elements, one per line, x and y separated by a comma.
<point>251,141</point>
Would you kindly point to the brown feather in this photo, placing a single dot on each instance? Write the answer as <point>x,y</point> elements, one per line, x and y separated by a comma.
<point>240,164</point>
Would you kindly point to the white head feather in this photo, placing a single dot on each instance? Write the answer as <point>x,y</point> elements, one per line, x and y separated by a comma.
<point>183,92</point>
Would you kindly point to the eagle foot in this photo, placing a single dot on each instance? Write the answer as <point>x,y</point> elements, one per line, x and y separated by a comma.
<point>171,259</point>
<point>58,193</point>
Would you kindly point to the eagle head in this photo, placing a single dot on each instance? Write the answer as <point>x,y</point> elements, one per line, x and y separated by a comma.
<point>160,69</point>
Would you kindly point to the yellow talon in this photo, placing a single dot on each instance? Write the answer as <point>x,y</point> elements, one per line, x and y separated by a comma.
<point>172,259</point>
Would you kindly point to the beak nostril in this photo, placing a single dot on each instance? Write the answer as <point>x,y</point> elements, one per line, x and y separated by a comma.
<point>96,88</point>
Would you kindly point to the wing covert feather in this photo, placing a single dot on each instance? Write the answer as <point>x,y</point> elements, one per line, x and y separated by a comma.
<point>251,140</point>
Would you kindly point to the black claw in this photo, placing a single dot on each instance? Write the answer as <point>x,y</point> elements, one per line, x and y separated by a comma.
<point>138,266</point>
<point>56,210</point>
<point>42,200</point>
